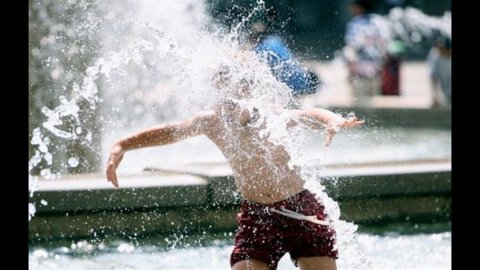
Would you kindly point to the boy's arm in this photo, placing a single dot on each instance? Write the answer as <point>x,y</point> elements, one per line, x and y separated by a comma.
<point>154,136</point>
<point>316,118</point>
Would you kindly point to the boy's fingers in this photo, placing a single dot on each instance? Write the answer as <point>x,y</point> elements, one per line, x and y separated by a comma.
<point>115,183</point>
<point>329,137</point>
<point>112,176</point>
<point>358,123</point>
<point>354,118</point>
<point>328,140</point>
<point>114,180</point>
<point>353,123</point>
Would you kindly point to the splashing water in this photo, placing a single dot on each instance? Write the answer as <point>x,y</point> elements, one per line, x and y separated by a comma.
<point>178,65</point>
<point>157,67</point>
<point>411,24</point>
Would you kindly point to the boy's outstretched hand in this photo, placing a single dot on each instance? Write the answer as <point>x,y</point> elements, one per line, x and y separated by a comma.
<point>116,155</point>
<point>333,128</point>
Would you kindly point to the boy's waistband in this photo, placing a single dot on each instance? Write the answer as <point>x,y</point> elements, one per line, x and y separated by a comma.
<point>250,205</point>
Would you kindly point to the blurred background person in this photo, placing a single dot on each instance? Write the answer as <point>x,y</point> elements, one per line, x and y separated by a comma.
<point>274,51</point>
<point>439,61</point>
<point>367,36</point>
<point>390,77</point>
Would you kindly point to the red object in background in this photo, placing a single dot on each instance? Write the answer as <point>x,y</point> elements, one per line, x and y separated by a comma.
<point>391,77</point>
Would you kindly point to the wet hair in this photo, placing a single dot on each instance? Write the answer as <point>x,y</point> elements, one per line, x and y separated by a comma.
<point>222,74</point>
<point>258,31</point>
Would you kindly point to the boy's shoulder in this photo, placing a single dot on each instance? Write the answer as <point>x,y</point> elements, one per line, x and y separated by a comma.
<point>205,117</point>
<point>205,114</point>
<point>206,122</point>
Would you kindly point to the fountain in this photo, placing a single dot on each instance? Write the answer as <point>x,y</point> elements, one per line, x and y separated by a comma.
<point>102,70</point>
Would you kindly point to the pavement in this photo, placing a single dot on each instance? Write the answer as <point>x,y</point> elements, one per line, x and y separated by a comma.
<point>415,89</point>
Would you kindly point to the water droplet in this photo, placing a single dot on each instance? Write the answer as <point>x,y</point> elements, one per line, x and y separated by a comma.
<point>73,162</point>
<point>40,253</point>
<point>125,248</point>
<point>46,173</point>
<point>31,211</point>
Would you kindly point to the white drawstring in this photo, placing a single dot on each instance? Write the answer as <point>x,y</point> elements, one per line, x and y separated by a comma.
<point>289,213</point>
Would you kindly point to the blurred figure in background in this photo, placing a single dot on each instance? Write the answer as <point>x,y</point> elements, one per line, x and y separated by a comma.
<point>439,61</point>
<point>390,78</point>
<point>365,52</point>
<point>273,50</point>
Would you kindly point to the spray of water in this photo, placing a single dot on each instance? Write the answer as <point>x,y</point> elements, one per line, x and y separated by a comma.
<point>179,69</point>
<point>411,25</point>
<point>157,67</point>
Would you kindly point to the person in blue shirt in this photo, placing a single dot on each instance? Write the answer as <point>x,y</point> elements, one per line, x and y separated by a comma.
<point>273,50</point>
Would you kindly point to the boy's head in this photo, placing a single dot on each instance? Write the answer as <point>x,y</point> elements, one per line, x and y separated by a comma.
<point>222,76</point>
<point>258,31</point>
<point>243,78</point>
<point>231,83</point>
<point>231,72</point>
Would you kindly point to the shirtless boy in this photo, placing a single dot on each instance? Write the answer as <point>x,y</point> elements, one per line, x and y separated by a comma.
<point>278,215</point>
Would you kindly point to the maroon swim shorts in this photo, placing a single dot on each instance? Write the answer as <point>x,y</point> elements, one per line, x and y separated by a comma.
<point>266,235</point>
